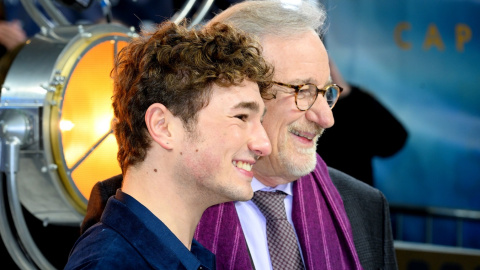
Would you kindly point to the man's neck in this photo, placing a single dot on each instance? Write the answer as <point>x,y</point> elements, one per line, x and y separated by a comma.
<point>271,180</point>
<point>166,201</point>
<point>257,185</point>
<point>270,172</point>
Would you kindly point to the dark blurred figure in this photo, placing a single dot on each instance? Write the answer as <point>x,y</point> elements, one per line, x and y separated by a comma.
<point>14,12</point>
<point>363,128</point>
<point>11,35</point>
<point>11,32</point>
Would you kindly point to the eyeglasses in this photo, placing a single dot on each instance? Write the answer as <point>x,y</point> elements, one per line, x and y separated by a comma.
<point>306,94</point>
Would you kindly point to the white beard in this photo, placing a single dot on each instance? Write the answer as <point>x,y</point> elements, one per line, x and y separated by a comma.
<point>299,161</point>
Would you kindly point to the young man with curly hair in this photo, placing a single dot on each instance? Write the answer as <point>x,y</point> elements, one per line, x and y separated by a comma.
<point>188,111</point>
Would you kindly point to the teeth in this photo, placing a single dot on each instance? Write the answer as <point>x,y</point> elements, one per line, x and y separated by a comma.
<point>243,165</point>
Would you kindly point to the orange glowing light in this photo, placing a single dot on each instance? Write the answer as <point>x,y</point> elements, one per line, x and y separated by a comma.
<point>90,149</point>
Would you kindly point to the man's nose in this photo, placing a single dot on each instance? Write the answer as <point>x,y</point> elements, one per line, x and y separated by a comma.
<point>320,113</point>
<point>260,143</point>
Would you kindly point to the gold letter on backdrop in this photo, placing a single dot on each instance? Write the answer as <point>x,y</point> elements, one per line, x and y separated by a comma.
<point>397,35</point>
<point>463,34</point>
<point>433,38</point>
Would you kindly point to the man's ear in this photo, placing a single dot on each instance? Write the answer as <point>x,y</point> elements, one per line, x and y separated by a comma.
<point>158,120</point>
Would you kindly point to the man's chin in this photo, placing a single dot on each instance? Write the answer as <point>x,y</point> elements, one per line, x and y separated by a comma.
<point>245,197</point>
<point>300,164</point>
<point>243,194</point>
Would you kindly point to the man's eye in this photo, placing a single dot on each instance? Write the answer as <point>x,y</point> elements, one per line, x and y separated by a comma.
<point>242,117</point>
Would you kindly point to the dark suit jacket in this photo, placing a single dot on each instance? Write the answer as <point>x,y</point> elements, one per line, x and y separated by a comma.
<point>369,215</point>
<point>366,207</point>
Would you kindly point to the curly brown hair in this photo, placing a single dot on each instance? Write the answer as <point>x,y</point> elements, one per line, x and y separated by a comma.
<point>176,67</point>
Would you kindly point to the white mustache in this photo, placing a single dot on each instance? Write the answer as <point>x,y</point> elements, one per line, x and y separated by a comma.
<point>307,128</point>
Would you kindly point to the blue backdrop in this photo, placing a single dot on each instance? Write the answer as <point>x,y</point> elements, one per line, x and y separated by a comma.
<point>421,59</point>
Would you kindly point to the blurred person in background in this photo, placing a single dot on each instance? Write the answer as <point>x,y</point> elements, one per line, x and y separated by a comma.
<point>11,36</point>
<point>15,12</point>
<point>363,129</point>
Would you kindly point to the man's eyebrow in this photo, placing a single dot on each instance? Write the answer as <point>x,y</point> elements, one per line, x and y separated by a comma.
<point>253,106</point>
<point>311,80</point>
<point>303,81</point>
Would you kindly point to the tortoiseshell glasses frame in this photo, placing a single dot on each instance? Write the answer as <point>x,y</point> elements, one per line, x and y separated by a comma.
<point>306,94</point>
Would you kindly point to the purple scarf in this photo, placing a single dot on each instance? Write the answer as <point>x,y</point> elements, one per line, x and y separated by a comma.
<point>325,237</point>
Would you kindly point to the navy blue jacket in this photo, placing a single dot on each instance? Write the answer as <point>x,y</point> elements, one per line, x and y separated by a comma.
<point>129,236</point>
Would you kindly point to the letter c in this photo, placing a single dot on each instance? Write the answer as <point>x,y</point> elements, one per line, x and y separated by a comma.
<point>402,26</point>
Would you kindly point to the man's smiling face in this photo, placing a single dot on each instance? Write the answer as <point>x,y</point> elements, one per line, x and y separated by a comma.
<point>225,143</point>
<point>294,133</point>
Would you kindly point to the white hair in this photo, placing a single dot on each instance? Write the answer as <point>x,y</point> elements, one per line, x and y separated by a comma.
<point>274,17</point>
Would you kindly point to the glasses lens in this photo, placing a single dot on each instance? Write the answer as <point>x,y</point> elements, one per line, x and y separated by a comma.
<point>331,95</point>
<point>306,96</point>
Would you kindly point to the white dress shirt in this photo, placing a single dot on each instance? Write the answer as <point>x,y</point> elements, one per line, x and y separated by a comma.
<point>254,224</point>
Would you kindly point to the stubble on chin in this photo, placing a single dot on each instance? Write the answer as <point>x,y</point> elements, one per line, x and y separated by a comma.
<point>298,162</point>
